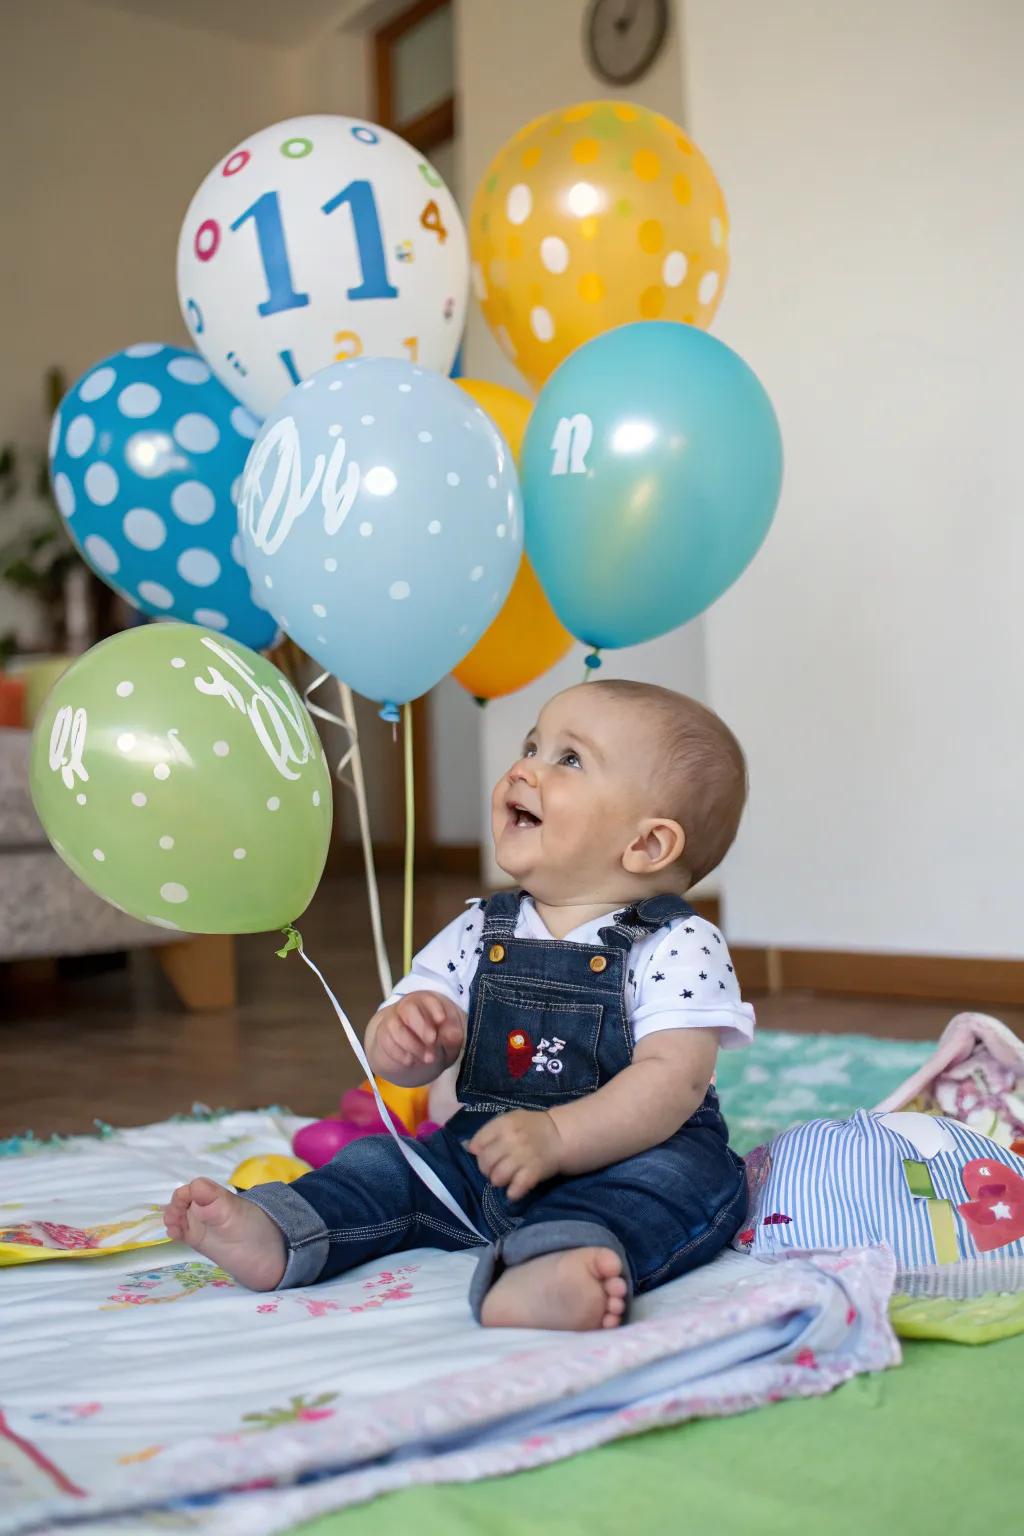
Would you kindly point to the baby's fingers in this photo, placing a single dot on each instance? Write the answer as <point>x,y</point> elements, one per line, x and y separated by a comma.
<point>521,1184</point>
<point>505,1171</point>
<point>413,1017</point>
<point>451,1035</point>
<point>487,1139</point>
<point>405,1046</point>
<point>434,1006</point>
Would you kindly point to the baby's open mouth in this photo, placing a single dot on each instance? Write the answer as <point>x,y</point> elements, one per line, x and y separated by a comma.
<point>520,817</point>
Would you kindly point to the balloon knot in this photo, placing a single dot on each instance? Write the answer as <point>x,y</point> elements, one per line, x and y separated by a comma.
<point>390,713</point>
<point>480,703</point>
<point>293,940</point>
<point>593,661</point>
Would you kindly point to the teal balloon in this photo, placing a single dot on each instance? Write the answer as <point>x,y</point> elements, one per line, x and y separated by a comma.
<point>651,471</point>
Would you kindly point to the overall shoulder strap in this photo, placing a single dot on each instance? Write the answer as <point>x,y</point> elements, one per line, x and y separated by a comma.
<point>643,917</point>
<point>501,914</point>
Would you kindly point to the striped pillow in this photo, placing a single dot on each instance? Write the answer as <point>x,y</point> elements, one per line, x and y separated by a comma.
<point>935,1192</point>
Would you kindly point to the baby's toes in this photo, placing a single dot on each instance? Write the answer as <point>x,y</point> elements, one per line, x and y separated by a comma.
<point>174,1221</point>
<point>204,1191</point>
<point>607,1265</point>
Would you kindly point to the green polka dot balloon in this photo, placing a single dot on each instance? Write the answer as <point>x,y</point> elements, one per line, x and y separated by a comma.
<point>180,776</point>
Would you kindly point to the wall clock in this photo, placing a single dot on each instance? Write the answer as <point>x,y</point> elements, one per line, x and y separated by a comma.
<point>624,37</point>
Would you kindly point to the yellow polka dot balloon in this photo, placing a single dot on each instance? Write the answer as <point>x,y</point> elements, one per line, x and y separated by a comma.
<point>591,217</point>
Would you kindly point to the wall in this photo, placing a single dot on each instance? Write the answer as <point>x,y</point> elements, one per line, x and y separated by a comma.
<point>111,121</point>
<point>513,63</point>
<point>870,659</point>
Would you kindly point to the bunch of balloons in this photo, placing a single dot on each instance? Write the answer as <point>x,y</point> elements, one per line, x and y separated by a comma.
<point>311,469</point>
<point>652,460</point>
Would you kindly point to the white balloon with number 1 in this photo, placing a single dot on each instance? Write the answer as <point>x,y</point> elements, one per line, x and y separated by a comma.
<point>318,239</point>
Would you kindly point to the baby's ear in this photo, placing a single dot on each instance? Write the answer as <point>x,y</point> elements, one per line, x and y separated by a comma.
<point>658,844</point>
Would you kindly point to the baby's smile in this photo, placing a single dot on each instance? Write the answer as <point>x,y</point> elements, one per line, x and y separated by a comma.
<point>521,817</point>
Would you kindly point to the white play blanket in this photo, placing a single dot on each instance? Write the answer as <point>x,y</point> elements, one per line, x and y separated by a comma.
<point>147,1391</point>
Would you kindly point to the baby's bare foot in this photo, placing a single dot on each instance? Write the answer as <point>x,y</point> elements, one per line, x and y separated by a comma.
<point>582,1288</point>
<point>232,1232</point>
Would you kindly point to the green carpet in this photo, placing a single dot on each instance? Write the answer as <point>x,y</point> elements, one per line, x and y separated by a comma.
<point>930,1449</point>
<point>783,1078</point>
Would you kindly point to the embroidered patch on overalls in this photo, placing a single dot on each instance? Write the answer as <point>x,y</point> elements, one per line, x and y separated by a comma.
<point>548,1056</point>
<point>519,1053</point>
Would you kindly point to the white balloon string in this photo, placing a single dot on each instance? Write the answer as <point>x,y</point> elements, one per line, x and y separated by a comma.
<point>325,714</point>
<point>357,784</point>
<point>420,1168</point>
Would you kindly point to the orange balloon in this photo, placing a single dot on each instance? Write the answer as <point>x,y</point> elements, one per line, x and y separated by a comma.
<point>507,408</point>
<point>524,641</point>
<point>591,217</point>
<point>526,638</point>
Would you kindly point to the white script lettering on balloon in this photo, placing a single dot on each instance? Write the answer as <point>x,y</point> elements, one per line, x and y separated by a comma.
<point>281,723</point>
<point>287,497</point>
<point>67,744</point>
<point>269,517</point>
<point>570,443</point>
<point>338,500</point>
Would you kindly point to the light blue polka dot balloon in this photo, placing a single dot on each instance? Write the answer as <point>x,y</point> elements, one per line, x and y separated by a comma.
<point>381,519</point>
<point>146,458</point>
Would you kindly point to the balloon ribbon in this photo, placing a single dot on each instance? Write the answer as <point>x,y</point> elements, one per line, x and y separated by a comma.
<point>410,840</point>
<point>358,788</point>
<point>419,1166</point>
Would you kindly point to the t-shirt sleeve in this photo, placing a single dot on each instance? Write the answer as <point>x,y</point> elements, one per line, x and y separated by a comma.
<point>687,981</point>
<point>447,964</point>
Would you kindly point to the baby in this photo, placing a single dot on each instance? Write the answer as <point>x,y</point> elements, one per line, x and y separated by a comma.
<point>585,1008</point>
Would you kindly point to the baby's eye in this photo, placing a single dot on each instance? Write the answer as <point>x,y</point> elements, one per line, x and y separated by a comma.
<point>530,750</point>
<point>570,760</point>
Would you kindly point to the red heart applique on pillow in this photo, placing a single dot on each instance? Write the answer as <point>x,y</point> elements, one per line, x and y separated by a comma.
<point>995,1212</point>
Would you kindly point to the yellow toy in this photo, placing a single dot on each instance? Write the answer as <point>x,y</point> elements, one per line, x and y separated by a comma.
<point>270,1168</point>
<point>409,1104</point>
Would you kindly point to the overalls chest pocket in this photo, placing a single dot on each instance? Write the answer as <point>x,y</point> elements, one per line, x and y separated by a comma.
<point>530,1043</point>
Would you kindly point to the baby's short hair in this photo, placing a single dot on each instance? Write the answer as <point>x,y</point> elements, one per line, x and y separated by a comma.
<point>701,778</point>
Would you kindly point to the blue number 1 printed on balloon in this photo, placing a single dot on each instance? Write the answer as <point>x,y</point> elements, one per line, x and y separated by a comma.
<point>366,223</point>
<point>266,214</point>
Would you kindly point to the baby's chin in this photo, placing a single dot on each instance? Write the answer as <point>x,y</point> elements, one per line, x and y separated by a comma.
<point>513,861</point>
<point>549,880</point>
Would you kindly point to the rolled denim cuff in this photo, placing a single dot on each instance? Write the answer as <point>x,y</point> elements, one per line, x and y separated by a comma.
<point>529,1242</point>
<point>301,1227</point>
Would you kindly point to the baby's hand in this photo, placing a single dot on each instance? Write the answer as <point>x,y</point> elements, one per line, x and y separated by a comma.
<point>419,1030</point>
<point>520,1149</point>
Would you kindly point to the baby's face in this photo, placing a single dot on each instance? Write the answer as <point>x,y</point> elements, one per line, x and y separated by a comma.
<point>563,815</point>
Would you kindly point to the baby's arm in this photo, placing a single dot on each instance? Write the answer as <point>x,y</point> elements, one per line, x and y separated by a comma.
<point>416,1039</point>
<point>642,1106</point>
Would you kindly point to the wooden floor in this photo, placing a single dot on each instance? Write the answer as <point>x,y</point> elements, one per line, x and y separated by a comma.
<point>115,1046</point>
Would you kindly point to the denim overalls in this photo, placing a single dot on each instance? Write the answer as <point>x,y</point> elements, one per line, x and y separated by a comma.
<point>547,1024</point>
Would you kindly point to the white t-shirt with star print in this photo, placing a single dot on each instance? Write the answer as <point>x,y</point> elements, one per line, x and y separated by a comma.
<point>679,977</point>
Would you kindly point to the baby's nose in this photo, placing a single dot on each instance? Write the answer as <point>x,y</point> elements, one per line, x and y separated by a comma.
<point>523,772</point>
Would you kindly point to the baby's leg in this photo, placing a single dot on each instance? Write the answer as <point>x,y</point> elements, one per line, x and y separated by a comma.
<point>365,1203</point>
<point>586,1244</point>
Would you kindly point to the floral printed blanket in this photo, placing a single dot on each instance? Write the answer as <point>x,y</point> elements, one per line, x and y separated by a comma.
<point>145,1390</point>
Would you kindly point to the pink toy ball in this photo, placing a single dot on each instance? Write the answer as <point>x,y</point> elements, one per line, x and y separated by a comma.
<point>319,1142</point>
<point>359,1116</point>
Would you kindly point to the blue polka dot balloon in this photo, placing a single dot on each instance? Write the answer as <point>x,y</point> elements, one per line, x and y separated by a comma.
<point>146,459</point>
